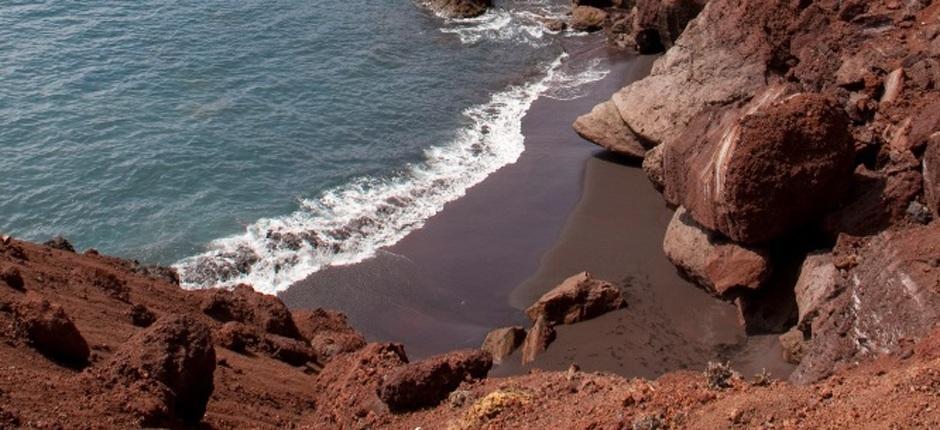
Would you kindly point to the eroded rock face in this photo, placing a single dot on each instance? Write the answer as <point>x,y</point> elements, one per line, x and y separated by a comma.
<point>459,8</point>
<point>587,18</point>
<point>887,296</point>
<point>658,23</point>
<point>245,305</point>
<point>502,342</point>
<point>720,266</point>
<point>604,127</point>
<point>756,173</point>
<point>578,298</point>
<point>166,370</point>
<point>49,329</point>
<point>428,382</point>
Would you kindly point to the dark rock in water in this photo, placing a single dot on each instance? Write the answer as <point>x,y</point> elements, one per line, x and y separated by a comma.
<point>293,241</point>
<point>165,372</point>
<point>459,8</point>
<point>50,330</point>
<point>264,312</point>
<point>587,18</point>
<point>578,298</point>
<point>537,340</point>
<point>60,243</point>
<point>140,316</point>
<point>555,25</point>
<point>12,277</point>
<point>428,382</point>
<point>502,342</point>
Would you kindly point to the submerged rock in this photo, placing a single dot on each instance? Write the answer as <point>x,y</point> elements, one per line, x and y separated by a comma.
<point>428,382</point>
<point>459,8</point>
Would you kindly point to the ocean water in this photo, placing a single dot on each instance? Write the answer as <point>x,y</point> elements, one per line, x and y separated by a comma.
<point>259,141</point>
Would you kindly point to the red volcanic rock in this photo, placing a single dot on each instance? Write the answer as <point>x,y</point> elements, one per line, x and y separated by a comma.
<point>347,387</point>
<point>760,173</point>
<point>604,127</point>
<point>502,342</point>
<point>60,243</point>
<point>140,316</point>
<point>888,293</point>
<point>720,266</point>
<point>50,330</point>
<point>587,18</point>
<point>166,371</point>
<point>243,304</point>
<point>537,340</point>
<point>878,199</point>
<point>426,383</point>
<point>11,276</point>
<point>658,23</point>
<point>578,298</point>
<point>236,336</point>
<point>290,351</point>
<point>329,332</point>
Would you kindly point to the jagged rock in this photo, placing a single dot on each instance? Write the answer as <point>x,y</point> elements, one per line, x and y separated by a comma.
<point>290,351</point>
<point>578,298</point>
<point>502,342</point>
<point>878,199</point>
<point>245,305</point>
<point>653,167</point>
<point>658,23</point>
<point>792,345</point>
<point>887,294</point>
<point>459,8</point>
<point>166,371</point>
<point>587,18</point>
<point>604,127</point>
<point>720,266</point>
<point>60,243</point>
<point>428,382</point>
<point>50,330</point>
<point>12,277</point>
<point>329,332</point>
<point>537,340</point>
<point>815,286</point>
<point>756,173</point>
<point>236,336</point>
<point>140,316</point>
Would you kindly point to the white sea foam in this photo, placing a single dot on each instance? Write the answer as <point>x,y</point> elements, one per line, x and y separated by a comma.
<point>523,23</point>
<point>352,222</point>
<point>570,84</point>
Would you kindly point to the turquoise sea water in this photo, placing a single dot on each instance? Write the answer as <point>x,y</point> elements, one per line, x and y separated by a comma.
<point>258,140</point>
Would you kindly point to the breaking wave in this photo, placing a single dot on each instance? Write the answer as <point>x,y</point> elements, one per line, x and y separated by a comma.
<point>523,23</point>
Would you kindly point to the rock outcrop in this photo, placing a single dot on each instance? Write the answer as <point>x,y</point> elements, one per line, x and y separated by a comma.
<point>578,298</point>
<point>245,305</point>
<point>502,342</point>
<point>328,332</point>
<point>428,382</point>
<point>587,18</point>
<point>166,371</point>
<point>49,329</point>
<point>719,265</point>
<point>537,340</point>
<point>604,127</point>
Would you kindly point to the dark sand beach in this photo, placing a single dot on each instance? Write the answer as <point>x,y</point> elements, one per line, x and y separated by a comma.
<point>564,207</point>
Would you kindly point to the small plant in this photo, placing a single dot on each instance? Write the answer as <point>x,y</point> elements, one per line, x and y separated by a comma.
<point>718,375</point>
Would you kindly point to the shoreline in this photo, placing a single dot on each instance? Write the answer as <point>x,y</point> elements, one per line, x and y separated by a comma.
<point>434,301</point>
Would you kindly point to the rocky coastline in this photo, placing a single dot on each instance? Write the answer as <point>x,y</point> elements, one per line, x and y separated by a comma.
<point>799,143</point>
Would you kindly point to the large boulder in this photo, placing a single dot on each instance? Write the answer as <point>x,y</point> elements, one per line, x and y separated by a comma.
<point>604,127</point>
<point>49,329</point>
<point>886,295</point>
<point>243,304</point>
<point>502,342</point>
<point>11,276</point>
<point>720,266</point>
<point>587,18</point>
<point>426,383</point>
<point>459,8</point>
<point>759,171</point>
<point>578,298</point>
<point>328,332</point>
<point>165,371</point>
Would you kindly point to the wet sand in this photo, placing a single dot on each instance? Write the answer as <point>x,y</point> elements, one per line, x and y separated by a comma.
<point>561,209</point>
